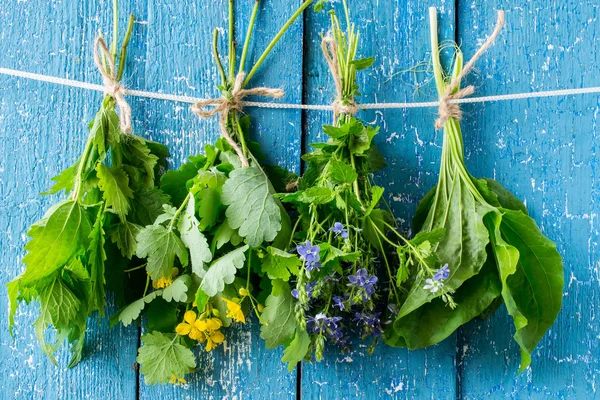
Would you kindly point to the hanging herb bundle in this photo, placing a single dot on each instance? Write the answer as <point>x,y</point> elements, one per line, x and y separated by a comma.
<point>202,252</point>
<point>111,195</point>
<point>493,251</point>
<point>344,243</point>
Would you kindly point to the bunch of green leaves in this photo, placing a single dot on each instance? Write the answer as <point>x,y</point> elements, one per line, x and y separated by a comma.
<point>494,250</point>
<point>111,196</point>
<point>343,238</point>
<point>202,252</point>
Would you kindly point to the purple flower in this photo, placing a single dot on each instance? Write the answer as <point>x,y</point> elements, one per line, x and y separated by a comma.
<point>364,282</point>
<point>442,273</point>
<point>338,301</point>
<point>309,290</point>
<point>330,326</point>
<point>295,293</point>
<point>308,252</point>
<point>371,323</point>
<point>339,229</point>
<point>311,266</point>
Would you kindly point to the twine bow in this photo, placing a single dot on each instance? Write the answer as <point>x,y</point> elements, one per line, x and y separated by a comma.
<point>233,100</point>
<point>340,106</point>
<point>447,109</point>
<point>112,86</point>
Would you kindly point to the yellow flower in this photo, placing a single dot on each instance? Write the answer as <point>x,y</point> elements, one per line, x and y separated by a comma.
<point>235,311</point>
<point>162,283</point>
<point>213,324</point>
<point>213,340</point>
<point>175,380</point>
<point>192,327</point>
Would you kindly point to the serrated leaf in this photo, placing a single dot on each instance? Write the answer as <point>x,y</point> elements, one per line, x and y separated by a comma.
<point>130,313</point>
<point>147,205</point>
<point>297,350</point>
<point>97,257</point>
<point>114,184</point>
<point>160,245</point>
<point>138,154</point>
<point>177,291</point>
<point>340,172</point>
<point>65,180</point>
<point>193,239</point>
<point>279,264</point>
<point>124,236</point>
<point>222,271</point>
<point>161,358</point>
<point>317,195</point>
<point>280,323</point>
<point>251,207</point>
<point>55,239</point>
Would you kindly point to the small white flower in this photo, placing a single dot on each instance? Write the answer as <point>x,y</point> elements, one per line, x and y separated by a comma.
<point>432,286</point>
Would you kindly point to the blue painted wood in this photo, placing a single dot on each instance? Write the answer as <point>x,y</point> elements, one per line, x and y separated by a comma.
<point>43,129</point>
<point>545,151</point>
<point>397,35</point>
<point>179,61</point>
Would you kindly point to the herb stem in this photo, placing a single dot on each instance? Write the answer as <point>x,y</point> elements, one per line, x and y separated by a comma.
<point>231,42</point>
<point>248,36</point>
<point>275,40</point>
<point>123,52</point>
<point>135,268</point>
<point>218,58</point>
<point>115,38</point>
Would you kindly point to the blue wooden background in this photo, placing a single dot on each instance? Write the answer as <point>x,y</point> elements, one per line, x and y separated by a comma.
<point>545,151</point>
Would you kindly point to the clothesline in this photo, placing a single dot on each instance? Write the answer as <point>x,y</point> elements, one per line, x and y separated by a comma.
<point>316,107</point>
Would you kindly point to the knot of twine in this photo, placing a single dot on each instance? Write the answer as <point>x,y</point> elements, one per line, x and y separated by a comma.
<point>340,106</point>
<point>447,109</point>
<point>233,100</point>
<point>112,87</point>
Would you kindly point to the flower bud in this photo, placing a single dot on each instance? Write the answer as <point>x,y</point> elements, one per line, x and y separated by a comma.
<point>260,307</point>
<point>243,292</point>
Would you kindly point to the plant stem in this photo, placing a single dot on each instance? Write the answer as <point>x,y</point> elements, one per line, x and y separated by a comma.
<point>115,38</point>
<point>218,58</point>
<point>231,42</point>
<point>248,36</point>
<point>123,53</point>
<point>275,40</point>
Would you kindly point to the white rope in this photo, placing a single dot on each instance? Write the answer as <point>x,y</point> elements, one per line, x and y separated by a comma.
<point>315,107</point>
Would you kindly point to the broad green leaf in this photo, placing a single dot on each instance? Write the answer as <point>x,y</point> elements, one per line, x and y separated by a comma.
<point>174,182</point>
<point>138,154</point>
<point>317,195</point>
<point>222,271</point>
<point>279,264</point>
<point>147,205</point>
<point>251,207</point>
<point>193,239</point>
<point>280,323</point>
<point>362,63</point>
<point>65,180</point>
<point>225,234</point>
<point>495,194</point>
<point>162,316</point>
<point>209,209</point>
<point>433,322</point>
<point>162,356</point>
<point>201,299</point>
<point>533,292</point>
<point>376,194</point>
<point>340,172</point>
<point>114,184</point>
<point>178,290</point>
<point>160,245</point>
<point>463,247</point>
<point>130,313</point>
<point>97,257</point>
<point>297,350</point>
<point>54,240</point>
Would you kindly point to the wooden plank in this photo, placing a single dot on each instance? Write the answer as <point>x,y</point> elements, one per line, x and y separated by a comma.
<point>43,128</point>
<point>545,151</point>
<point>397,35</point>
<point>179,60</point>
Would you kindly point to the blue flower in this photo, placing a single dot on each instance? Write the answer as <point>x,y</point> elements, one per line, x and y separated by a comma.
<point>330,326</point>
<point>339,229</point>
<point>311,266</point>
<point>338,301</point>
<point>371,323</point>
<point>364,282</point>
<point>309,290</point>
<point>308,252</point>
<point>295,293</point>
<point>442,273</point>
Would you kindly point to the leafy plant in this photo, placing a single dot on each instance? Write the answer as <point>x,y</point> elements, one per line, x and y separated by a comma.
<point>343,240</point>
<point>492,252</point>
<point>111,196</point>
<point>202,251</point>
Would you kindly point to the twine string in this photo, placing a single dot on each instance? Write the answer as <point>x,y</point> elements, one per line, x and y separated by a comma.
<point>339,106</point>
<point>449,108</point>
<point>230,101</point>
<point>112,87</point>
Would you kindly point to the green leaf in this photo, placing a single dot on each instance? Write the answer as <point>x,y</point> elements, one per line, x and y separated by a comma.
<point>65,180</point>
<point>376,194</point>
<point>147,205</point>
<point>317,195</point>
<point>114,184</point>
<point>279,264</point>
<point>138,154</point>
<point>161,356</point>
<point>334,132</point>
<point>194,239</point>
<point>177,291</point>
<point>226,234</point>
<point>435,321</point>
<point>362,63</point>
<point>97,257</point>
<point>340,172</point>
<point>297,350</point>
<point>132,312</point>
<point>210,207</point>
<point>533,286</point>
<point>251,207</point>
<point>124,236</point>
<point>161,246</point>
<point>162,316</point>
<point>201,299</point>
<point>174,183</point>
<point>222,271</point>
<point>280,323</point>
<point>55,239</point>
